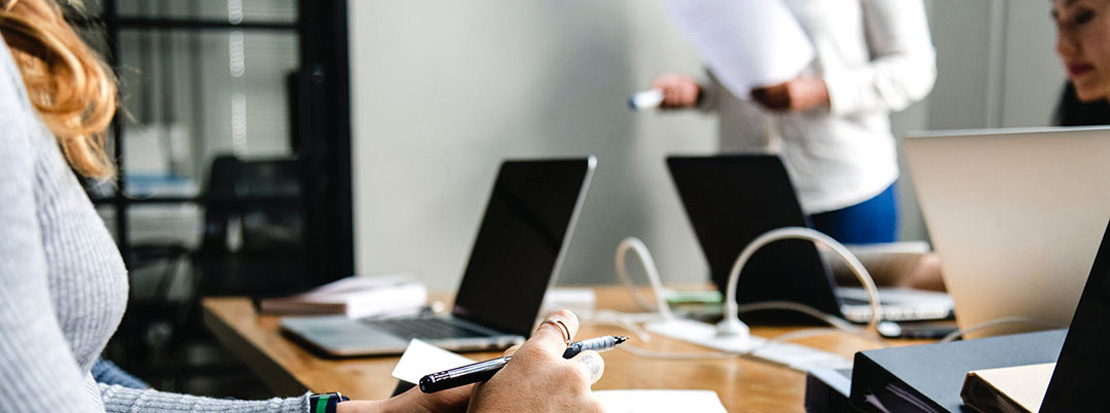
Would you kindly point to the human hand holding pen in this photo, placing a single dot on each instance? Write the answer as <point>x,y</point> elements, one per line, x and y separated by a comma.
<point>539,379</point>
<point>484,370</point>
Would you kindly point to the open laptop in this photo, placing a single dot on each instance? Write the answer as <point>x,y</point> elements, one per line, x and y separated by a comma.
<point>1079,381</point>
<point>1016,216</point>
<point>519,247</point>
<point>732,199</point>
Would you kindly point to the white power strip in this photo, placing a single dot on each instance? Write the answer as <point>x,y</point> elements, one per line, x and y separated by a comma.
<point>794,356</point>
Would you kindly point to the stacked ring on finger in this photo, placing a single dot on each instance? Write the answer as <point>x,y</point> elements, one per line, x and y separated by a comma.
<point>563,330</point>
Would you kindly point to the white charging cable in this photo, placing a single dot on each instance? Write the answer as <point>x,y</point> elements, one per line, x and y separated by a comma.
<point>732,326</point>
<point>628,321</point>
<point>1030,321</point>
<point>634,244</point>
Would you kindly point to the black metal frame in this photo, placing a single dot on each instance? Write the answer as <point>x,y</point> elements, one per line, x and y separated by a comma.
<point>322,133</point>
<point>325,105</point>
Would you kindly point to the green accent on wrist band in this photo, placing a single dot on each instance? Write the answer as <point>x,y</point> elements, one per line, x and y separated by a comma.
<point>322,403</point>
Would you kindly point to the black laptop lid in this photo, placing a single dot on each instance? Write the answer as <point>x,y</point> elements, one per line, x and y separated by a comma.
<point>731,200</point>
<point>520,242</point>
<point>1081,380</point>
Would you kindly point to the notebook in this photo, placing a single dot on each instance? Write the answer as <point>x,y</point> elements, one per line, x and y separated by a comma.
<point>519,247</point>
<point>1018,389</point>
<point>732,199</point>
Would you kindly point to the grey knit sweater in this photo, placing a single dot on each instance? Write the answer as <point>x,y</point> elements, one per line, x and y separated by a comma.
<point>63,286</point>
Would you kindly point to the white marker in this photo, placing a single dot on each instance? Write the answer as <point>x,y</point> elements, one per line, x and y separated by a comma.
<point>648,99</point>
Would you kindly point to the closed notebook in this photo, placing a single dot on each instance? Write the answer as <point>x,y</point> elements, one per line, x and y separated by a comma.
<point>929,377</point>
<point>356,296</point>
<point>1007,390</point>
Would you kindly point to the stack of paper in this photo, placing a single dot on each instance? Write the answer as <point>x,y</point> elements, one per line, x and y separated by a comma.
<point>746,43</point>
<point>357,297</point>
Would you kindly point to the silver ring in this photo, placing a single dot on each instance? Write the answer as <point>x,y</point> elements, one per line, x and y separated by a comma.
<point>563,330</point>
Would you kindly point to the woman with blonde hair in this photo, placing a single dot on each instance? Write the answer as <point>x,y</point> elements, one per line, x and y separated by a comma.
<point>64,282</point>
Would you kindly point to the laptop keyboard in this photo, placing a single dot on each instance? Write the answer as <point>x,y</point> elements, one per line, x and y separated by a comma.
<point>425,328</point>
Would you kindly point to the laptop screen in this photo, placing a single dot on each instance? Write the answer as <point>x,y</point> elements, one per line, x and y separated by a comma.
<point>1079,382</point>
<point>731,200</point>
<point>521,240</point>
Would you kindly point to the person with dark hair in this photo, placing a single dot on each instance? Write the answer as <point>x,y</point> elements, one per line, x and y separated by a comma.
<point>1083,43</point>
<point>1071,111</point>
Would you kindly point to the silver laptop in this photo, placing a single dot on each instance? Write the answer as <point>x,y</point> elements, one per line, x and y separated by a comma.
<point>519,247</point>
<point>732,199</point>
<point>1016,216</point>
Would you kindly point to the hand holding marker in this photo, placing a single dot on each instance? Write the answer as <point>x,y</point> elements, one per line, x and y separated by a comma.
<point>646,100</point>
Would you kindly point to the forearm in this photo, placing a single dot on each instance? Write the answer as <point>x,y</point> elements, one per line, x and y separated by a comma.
<point>889,85</point>
<point>903,68</point>
<point>122,399</point>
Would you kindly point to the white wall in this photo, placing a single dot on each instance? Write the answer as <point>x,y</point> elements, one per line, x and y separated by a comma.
<point>1033,76</point>
<point>443,90</point>
<point>996,64</point>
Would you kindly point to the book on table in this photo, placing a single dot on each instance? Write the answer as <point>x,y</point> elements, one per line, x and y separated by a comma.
<point>1018,389</point>
<point>355,296</point>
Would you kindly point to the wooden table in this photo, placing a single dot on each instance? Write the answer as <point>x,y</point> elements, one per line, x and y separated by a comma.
<point>744,385</point>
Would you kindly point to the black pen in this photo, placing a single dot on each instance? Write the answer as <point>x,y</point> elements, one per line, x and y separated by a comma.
<point>483,370</point>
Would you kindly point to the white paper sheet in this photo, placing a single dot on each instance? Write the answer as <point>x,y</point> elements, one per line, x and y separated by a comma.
<point>648,401</point>
<point>746,43</point>
<point>421,359</point>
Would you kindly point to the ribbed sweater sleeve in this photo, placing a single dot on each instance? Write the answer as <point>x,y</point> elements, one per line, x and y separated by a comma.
<point>57,291</point>
<point>38,372</point>
<point>119,399</point>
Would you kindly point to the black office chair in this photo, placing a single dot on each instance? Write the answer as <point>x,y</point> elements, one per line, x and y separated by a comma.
<point>253,242</point>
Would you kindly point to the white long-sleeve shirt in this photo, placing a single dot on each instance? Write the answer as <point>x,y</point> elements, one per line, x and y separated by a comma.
<point>875,56</point>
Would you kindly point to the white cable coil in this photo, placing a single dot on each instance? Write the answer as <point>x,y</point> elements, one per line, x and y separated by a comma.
<point>634,244</point>
<point>665,313</point>
<point>732,325</point>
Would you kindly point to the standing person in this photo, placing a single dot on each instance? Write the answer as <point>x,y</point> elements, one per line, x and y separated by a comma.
<point>65,286</point>
<point>831,124</point>
<point>1083,44</point>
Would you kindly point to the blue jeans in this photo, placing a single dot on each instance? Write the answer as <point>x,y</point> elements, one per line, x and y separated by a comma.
<point>870,222</point>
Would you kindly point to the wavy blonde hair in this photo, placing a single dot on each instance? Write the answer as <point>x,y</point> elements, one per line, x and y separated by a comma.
<point>70,87</point>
